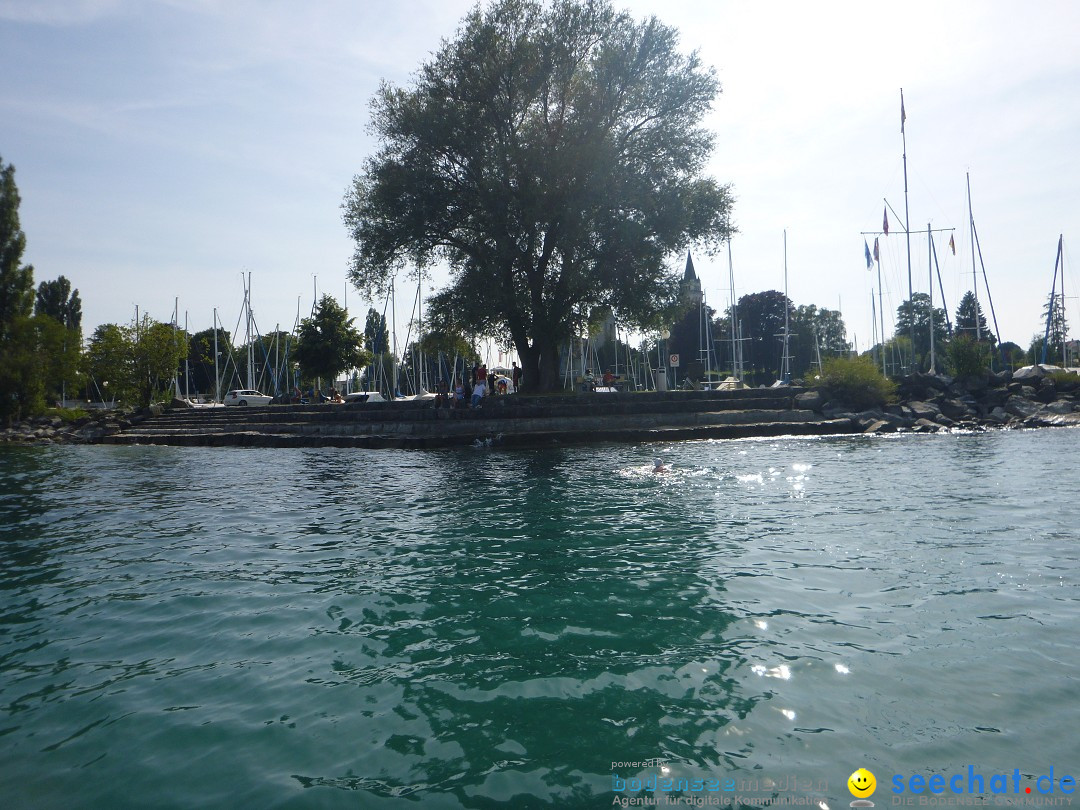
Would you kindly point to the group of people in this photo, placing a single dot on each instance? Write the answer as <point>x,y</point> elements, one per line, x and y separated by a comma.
<point>471,392</point>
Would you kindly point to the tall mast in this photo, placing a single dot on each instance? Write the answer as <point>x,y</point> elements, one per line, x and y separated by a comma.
<point>907,227</point>
<point>393,327</point>
<point>930,269</point>
<point>731,281</point>
<point>217,377</point>
<point>974,266</point>
<point>785,374</point>
<point>250,348</point>
<point>881,305</point>
<point>1053,297</point>
<point>1064,358</point>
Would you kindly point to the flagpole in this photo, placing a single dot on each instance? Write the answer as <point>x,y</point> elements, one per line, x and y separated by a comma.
<point>881,305</point>
<point>907,225</point>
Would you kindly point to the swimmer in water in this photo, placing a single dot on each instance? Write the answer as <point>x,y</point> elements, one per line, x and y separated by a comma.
<point>659,468</point>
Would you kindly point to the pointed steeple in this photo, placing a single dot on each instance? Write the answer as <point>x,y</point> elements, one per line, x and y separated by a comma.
<point>689,275</point>
<point>690,286</point>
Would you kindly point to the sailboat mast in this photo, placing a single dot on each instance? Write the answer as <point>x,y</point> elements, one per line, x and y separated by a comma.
<point>930,270</point>
<point>907,227</point>
<point>974,266</point>
<point>731,282</point>
<point>786,364</point>
<point>250,348</point>
<point>217,377</point>
<point>1053,298</point>
<point>1064,357</point>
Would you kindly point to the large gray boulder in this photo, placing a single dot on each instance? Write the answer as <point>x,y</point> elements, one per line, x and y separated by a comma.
<point>1021,407</point>
<point>810,401</point>
<point>1028,373</point>
<point>923,410</point>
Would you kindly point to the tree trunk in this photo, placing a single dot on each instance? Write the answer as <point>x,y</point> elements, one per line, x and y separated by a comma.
<point>540,367</point>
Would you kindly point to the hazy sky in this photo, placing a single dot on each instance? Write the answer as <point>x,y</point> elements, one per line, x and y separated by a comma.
<point>163,147</point>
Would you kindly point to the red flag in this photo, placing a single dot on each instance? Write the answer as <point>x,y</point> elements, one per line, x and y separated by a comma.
<point>876,256</point>
<point>952,244</point>
<point>885,222</point>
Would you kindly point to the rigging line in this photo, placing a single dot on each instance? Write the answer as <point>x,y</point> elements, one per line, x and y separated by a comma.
<point>941,288</point>
<point>989,297</point>
<point>1050,310</point>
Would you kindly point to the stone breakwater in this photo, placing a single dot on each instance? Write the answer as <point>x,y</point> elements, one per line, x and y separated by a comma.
<point>927,403</point>
<point>1031,397</point>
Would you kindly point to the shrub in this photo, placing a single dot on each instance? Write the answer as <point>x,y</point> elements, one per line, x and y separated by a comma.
<point>967,357</point>
<point>855,381</point>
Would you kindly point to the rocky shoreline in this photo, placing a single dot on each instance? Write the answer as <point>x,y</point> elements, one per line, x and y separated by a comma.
<point>927,403</point>
<point>1029,398</point>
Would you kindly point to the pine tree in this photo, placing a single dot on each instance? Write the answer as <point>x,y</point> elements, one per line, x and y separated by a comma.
<point>968,314</point>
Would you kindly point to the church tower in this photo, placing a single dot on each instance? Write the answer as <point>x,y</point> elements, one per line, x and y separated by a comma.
<point>690,286</point>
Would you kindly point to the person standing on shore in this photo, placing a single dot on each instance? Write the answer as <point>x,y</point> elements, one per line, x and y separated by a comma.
<point>515,375</point>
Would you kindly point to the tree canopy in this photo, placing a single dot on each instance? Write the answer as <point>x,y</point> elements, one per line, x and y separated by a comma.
<point>16,279</point>
<point>552,156</point>
<point>57,300</point>
<point>328,343</point>
<point>971,321</point>
<point>915,314</point>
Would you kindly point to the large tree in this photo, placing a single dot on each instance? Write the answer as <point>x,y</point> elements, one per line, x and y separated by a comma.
<point>328,343</point>
<point>57,300</point>
<point>970,320</point>
<point>552,156</point>
<point>762,318</point>
<point>16,279</point>
<point>916,313</point>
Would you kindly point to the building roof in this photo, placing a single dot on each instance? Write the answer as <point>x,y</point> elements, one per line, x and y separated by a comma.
<point>689,275</point>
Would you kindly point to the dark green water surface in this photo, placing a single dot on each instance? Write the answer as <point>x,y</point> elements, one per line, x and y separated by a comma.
<point>482,629</point>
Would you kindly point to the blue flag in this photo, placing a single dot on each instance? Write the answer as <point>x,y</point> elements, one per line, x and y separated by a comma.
<point>869,258</point>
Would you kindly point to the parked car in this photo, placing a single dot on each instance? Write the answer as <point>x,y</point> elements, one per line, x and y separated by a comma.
<point>241,396</point>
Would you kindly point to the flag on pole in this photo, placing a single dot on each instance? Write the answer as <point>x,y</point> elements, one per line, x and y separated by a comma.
<point>952,245</point>
<point>885,222</point>
<point>877,256</point>
<point>903,115</point>
<point>869,259</point>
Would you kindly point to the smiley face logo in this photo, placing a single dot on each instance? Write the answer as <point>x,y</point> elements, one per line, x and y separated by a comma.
<point>862,784</point>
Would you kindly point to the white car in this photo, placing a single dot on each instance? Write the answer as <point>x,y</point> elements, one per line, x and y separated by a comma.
<point>244,397</point>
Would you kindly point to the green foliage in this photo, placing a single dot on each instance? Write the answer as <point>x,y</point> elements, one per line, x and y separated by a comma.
<point>1065,380</point>
<point>552,155</point>
<point>968,357</point>
<point>1014,355</point>
<point>971,321</point>
<point>855,381</point>
<point>22,356</point>
<point>376,335</point>
<point>111,363</point>
<point>916,313</point>
<point>762,318</point>
<point>16,279</point>
<point>57,300</point>
<point>201,361</point>
<point>135,364</point>
<point>328,343</point>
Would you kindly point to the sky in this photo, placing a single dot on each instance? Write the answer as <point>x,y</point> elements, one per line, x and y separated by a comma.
<point>164,148</point>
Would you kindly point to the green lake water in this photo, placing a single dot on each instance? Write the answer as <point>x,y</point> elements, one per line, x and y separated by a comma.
<point>188,628</point>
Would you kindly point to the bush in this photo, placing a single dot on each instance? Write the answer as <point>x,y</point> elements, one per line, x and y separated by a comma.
<point>1065,380</point>
<point>855,381</point>
<point>967,357</point>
